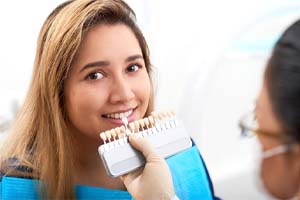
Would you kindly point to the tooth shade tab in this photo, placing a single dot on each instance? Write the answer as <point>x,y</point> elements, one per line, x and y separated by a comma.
<point>118,132</point>
<point>108,135</point>
<point>122,135</point>
<point>132,126</point>
<point>161,116</point>
<point>113,133</point>
<point>173,112</point>
<point>125,121</point>
<point>166,115</point>
<point>170,114</point>
<point>137,125</point>
<point>123,130</point>
<point>142,123</point>
<point>103,136</point>
<point>154,114</point>
<point>147,122</point>
<point>151,120</point>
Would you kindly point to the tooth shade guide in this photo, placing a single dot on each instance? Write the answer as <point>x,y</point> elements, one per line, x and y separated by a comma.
<point>163,130</point>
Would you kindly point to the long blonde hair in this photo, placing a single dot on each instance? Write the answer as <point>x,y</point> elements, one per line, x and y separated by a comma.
<point>39,138</point>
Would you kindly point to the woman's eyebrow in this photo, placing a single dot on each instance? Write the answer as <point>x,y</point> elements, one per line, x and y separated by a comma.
<point>95,64</point>
<point>134,57</point>
<point>106,63</point>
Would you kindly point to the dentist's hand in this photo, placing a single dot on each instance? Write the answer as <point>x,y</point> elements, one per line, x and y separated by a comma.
<point>154,180</point>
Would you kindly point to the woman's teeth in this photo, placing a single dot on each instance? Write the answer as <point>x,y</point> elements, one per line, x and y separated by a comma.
<point>119,115</point>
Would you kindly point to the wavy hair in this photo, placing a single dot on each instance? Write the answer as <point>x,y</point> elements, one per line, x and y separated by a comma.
<point>39,138</point>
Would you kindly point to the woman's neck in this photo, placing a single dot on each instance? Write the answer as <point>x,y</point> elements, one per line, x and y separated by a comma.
<point>89,169</point>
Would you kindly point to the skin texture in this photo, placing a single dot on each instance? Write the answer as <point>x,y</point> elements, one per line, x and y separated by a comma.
<point>118,82</point>
<point>280,173</point>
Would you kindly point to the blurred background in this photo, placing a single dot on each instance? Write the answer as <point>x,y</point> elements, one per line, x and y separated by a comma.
<point>208,59</point>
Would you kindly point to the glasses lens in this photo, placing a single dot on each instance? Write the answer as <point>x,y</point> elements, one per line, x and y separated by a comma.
<point>248,125</point>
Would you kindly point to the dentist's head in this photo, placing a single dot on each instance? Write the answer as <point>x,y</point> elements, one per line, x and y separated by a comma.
<point>276,120</point>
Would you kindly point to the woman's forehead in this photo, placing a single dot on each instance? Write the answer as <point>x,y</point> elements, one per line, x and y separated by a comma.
<point>107,43</point>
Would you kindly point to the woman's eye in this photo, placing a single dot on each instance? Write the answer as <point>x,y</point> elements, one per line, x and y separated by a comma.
<point>133,68</point>
<point>95,76</point>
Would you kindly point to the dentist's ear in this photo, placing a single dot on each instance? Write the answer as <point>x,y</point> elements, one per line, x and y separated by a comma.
<point>154,180</point>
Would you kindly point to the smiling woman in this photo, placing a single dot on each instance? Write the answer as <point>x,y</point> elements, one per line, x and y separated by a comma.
<point>92,68</point>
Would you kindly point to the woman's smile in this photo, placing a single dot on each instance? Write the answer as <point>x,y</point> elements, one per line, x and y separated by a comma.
<point>116,117</point>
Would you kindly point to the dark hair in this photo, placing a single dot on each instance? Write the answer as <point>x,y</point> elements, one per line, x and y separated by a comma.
<point>283,81</point>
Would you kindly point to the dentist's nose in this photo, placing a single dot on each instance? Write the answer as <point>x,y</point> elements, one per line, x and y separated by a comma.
<point>122,91</point>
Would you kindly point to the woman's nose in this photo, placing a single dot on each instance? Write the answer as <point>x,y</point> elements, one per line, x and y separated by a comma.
<point>122,91</point>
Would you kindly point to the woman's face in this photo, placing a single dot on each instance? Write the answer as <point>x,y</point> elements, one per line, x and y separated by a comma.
<point>280,173</point>
<point>108,80</point>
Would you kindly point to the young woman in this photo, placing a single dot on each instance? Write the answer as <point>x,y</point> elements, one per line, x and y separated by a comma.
<point>276,119</point>
<point>92,68</point>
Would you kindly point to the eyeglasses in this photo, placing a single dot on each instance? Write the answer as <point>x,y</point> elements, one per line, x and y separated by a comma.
<point>250,127</point>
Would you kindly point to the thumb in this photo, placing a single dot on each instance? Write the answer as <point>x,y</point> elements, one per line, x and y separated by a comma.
<point>144,146</point>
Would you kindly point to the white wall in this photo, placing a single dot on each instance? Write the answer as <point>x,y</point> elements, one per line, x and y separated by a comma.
<point>208,56</point>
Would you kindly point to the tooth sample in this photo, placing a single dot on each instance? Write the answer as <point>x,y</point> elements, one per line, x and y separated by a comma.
<point>118,131</point>
<point>123,130</point>
<point>153,114</point>
<point>120,134</point>
<point>125,121</point>
<point>108,135</point>
<point>173,112</point>
<point>151,120</point>
<point>147,123</point>
<point>170,114</point>
<point>142,123</point>
<point>137,126</point>
<point>113,133</point>
<point>132,127</point>
<point>103,137</point>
